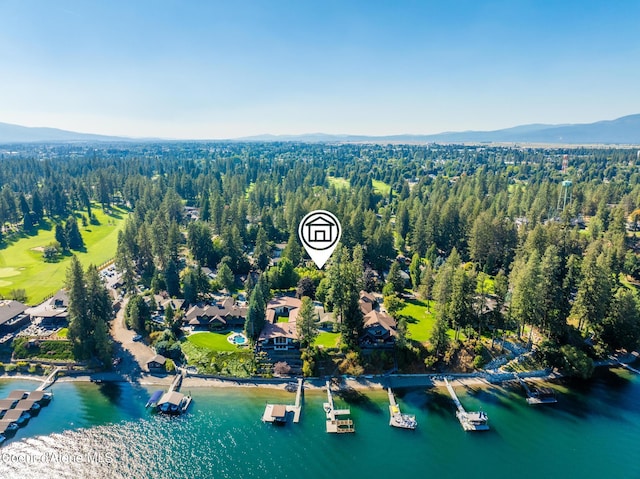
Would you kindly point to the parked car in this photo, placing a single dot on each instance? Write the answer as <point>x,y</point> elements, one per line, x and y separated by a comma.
<point>137,337</point>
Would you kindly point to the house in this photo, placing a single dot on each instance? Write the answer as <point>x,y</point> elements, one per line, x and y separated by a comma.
<point>224,314</point>
<point>52,312</point>
<point>280,336</point>
<point>379,330</point>
<point>157,363</point>
<point>367,302</point>
<point>284,305</point>
<point>13,315</point>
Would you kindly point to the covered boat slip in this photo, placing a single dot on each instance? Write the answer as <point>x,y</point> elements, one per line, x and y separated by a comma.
<point>279,413</point>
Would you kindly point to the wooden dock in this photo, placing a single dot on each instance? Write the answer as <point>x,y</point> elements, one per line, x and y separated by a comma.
<point>334,423</point>
<point>470,421</point>
<point>396,418</point>
<point>537,395</point>
<point>278,413</point>
<point>51,378</point>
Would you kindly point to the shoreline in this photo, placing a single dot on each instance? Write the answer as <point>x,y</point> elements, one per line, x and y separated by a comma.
<point>361,383</point>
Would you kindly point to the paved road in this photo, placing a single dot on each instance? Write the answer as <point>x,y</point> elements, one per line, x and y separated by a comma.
<point>134,354</point>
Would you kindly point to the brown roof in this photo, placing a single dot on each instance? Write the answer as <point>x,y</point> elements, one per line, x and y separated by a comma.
<point>158,358</point>
<point>6,404</point>
<point>36,395</point>
<point>278,411</point>
<point>17,394</point>
<point>375,318</point>
<point>25,404</point>
<point>284,301</point>
<point>12,415</point>
<point>278,330</point>
<point>368,297</point>
<point>173,397</point>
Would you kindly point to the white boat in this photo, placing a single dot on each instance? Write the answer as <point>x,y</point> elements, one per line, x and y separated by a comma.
<point>473,421</point>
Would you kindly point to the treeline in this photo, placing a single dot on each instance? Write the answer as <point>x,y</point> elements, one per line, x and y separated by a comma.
<point>468,216</point>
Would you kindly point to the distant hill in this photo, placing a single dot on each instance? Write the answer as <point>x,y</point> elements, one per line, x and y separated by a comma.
<point>625,130</point>
<point>24,134</point>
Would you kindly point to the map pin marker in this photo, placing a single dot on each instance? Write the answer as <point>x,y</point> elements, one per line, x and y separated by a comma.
<point>319,232</point>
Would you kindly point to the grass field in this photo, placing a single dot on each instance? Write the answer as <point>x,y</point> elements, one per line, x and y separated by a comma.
<point>212,341</point>
<point>339,183</point>
<point>342,183</point>
<point>327,340</point>
<point>22,266</point>
<point>419,321</point>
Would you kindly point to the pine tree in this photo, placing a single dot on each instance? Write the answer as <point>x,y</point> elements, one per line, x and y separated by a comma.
<point>61,237</point>
<point>306,323</point>
<point>72,232</point>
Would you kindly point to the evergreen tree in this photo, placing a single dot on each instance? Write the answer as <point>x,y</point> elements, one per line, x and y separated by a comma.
<point>172,279</point>
<point>261,253</point>
<point>72,232</point>
<point>137,313</point>
<point>256,314</point>
<point>306,324</point>
<point>394,279</point>
<point>225,277</point>
<point>79,319</point>
<point>61,237</point>
<point>414,271</point>
<point>36,206</point>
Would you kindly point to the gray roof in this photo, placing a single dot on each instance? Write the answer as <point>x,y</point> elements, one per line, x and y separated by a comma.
<point>9,309</point>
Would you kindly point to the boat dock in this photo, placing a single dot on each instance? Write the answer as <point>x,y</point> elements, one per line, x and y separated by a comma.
<point>396,418</point>
<point>172,402</point>
<point>537,395</point>
<point>51,378</point>
<point>470,421</point>
<point>334,424</point>
<point>278,413</point>
<point>624,365</point>
<point>19,407</point>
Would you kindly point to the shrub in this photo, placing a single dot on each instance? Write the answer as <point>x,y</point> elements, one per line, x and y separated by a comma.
<point>170,366</point>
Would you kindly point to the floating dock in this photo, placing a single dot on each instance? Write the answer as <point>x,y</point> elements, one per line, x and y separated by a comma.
<point>470,421</point>
<point>334,424</point>
<point>396,418</point>
<point>537,395</point>
<point>278,413</point>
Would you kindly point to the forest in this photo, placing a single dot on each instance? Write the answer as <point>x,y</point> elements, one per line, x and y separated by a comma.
<point>495,241</point>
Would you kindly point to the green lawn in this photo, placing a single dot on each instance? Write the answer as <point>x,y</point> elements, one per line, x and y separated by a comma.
<point>327,340</point>
<point>419,321</point>
<point>381,187</point>
<point>339,183</point>
<point>22,266</point>
<point>342,183</point>
<point>212,341</point>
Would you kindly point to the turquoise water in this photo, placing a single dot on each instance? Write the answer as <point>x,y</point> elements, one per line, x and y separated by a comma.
<point>103,431</point>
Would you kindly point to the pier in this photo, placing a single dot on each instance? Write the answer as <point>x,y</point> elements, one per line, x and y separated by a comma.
<point>470,421</point>
<point>49,380</point>
<point>278,413</point>
<point>334,424</point>
<point>624,365</point>
<point>537,395</point>
<point>396,418</point>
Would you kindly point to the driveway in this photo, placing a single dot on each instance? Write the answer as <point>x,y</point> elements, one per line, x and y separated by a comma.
<point>134,354</point>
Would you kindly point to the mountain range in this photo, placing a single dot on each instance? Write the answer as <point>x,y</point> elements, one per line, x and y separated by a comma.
<point>624,130</point>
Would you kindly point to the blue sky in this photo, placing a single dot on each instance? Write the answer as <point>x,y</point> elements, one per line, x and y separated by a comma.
<point>224,69</point>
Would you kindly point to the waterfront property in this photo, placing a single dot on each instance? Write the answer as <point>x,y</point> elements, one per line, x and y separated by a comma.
<point>225,314</point>
<point>157,363</point>
<point>173,403</point>
<point>536,395</point>
<point>470,421</point>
